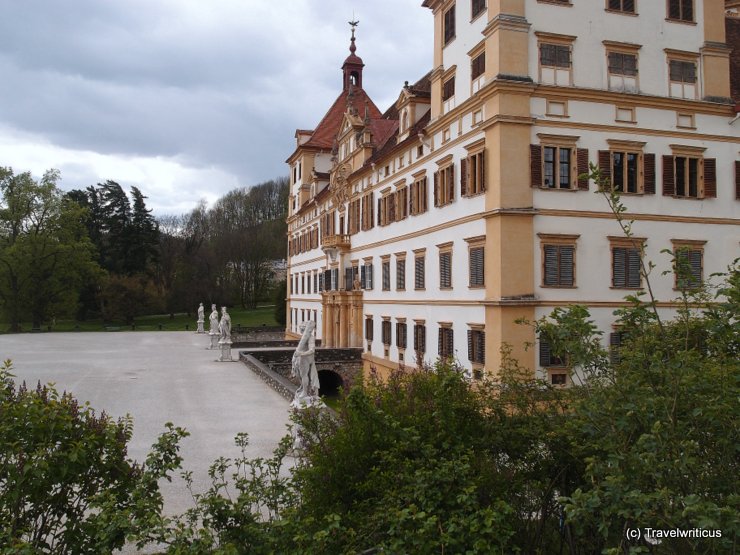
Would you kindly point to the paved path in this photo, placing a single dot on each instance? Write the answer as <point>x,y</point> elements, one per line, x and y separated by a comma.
<point>158,377</point>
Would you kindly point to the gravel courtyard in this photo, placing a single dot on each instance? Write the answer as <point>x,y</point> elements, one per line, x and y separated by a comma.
<point>158,377</point>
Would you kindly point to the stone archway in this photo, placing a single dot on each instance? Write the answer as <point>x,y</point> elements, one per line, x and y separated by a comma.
<point>330,383</point>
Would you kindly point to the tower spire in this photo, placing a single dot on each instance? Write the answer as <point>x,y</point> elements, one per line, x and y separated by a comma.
<point>352,68</point>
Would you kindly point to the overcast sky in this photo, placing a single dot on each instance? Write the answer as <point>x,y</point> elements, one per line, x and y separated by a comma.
<point>187,99</point>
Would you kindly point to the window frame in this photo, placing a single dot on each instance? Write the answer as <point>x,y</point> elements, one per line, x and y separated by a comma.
<point>473,170</point>
<point>401,272</point>
<point>446,341</point>
<point>444,182</point>
<point>621,9</point>
<point>683,57</point>
<point>476,244</point>
<point>449,25</point>
<point>559,241</point>
<point>480,5</point>
<point>614,77</point>
<point>688,247</point>
<point>558,143</point>
<point>681,4</point>
<point>445,268</point>
<point>557,42</point>
<point>385,265</point>
<point>625,149</point>
<point>628,245</point>
<point>419,197</point>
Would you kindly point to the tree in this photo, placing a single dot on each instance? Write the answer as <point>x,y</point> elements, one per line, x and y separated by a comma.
<point>143,235</point>
<point>45,253</point>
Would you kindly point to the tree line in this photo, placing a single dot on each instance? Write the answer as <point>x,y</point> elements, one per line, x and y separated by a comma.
<point>99,252</point>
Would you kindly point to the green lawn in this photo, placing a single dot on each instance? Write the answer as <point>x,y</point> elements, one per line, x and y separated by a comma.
<point>263,315</point>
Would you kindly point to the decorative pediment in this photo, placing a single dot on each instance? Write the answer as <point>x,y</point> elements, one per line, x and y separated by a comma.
<point>339,185</point>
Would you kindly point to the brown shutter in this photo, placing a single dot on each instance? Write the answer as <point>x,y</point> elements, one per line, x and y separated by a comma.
<point>471,355</point>
<point>669,182</point>
<point>649,174</point>
<point>482,170</point>
<point>582,163</point>
<point>535,165</point>
<point>605,166</point>
<point>436,188</point>
<point>710,178</point>
<point>451,183</point>
<point>737,179</point>
<point>463,177</point>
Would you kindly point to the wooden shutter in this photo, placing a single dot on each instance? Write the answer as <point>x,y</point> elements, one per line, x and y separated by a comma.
<point>566,266</point>
<point>450,183</point>
<point>619,266</point>
<point>605,166</point>
<point>615,342</point>
<point>545,353</point>
<point>412,196</point>
<point>348,279</point>
<point>633,268</point>
<point>476,266</point>
<point>482,170</point>
<point>551,264</point>
<point>335,279</point>
<point>582,165</point>
<point>471,355</point>
<point>445,269</point>
<point>440,342</point>
<point>419,272</point>
<point>369,276</point>
<point>535,165</point>
<point>481,347</point>
<point>369,329</point>
<point>436,188</point>
<point>649,174</point>
<point>669,179</point>
<point>710,178</point>
<point>463,177</point>
<point>737,179</point>
<point>363,277</point>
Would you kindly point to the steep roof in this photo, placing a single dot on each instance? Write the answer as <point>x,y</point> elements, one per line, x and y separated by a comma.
<point>328,128</point>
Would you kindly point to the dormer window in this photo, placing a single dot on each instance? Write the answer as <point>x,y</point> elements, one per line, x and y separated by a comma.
<point>405,120</point>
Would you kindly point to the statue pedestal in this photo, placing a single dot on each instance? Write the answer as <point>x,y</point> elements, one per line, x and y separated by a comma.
<point>301,403</point>
<point>214,341</point>
<point>200,327</point>
<point>225,351</point>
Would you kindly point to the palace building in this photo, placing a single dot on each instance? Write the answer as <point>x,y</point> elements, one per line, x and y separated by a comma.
<point>428,229</point>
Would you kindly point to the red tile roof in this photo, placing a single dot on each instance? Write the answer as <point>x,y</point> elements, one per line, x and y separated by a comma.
<point>328,128</point>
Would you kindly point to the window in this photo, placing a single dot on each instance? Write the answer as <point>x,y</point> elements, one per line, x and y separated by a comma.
<point>628,169</point>
<point>419,272</point>
<point>420,338</point>
<point>616,339</point>
<point>547,358</point>
<point>446,341</point>
<point>418,197</point>
<point>477,71</point>
<point>366,275</point>
<point>682,80</point>
<point>448,94</point>
<point>449,25</point>
<point>386,275</point>
<point>477,7</point>
<point>445,268</point>
<point>477,345</point>
<point>687,174</point>
<point>444,184</point>
<point>387,209</point>
<point>555,56</point>
<point>385,331</point>
<point>369,328</point>
<point>557,164</point>
<point>688,263</point>
<point>626,267</point>
<point>476,266</point>
<point>400,274</point>
<point>625,6</point>
<point>681,10</point>
<point>558,378</point>
<point>473,172</point>
<point>368,218</point>
<point>558,260</point>
<point>622,69</point>
<point>401,334</point>
<point>402,203</point>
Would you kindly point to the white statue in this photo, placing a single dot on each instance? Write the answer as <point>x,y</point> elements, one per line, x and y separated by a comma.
<point>304,367</point>
<point>213,331</point>
<point>201,318</point>
<point>224,328</point>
